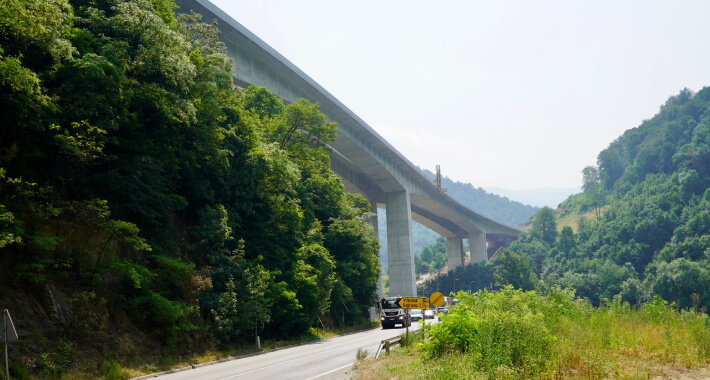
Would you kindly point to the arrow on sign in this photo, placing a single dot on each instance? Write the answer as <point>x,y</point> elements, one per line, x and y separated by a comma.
<point>413,303</point>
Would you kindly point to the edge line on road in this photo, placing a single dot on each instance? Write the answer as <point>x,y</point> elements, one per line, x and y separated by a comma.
<point>331,371</point>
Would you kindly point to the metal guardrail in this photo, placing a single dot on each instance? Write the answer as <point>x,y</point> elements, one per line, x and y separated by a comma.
<point>387,343</point>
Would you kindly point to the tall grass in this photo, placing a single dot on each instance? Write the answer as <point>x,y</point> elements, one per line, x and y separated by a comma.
<point>619,341</point>
<point>527,335</point>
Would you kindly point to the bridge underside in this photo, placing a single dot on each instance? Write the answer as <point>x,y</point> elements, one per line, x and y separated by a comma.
<point>426,211</point>
<point>365,161</point>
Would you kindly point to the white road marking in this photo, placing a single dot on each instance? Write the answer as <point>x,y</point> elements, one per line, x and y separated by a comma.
<point>335,370</point>
<point>271,366</point>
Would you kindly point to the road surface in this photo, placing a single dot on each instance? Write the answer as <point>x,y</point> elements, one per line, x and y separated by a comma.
<point>307,361</point>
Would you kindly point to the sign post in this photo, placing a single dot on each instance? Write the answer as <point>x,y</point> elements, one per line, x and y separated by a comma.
<point>8,335</point>
<point>407,324</point>
<point>412,303</point>
<point>257,331</point>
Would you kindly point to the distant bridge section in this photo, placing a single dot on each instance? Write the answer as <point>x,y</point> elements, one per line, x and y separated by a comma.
<point>365,161</point>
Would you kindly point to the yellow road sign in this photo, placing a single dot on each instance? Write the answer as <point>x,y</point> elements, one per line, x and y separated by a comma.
<point>437,299</point>
<point>413,303</point>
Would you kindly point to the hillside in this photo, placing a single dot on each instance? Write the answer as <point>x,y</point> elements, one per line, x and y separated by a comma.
<point>640,229</point>
<point>646,230</point>
<point>544,197</point>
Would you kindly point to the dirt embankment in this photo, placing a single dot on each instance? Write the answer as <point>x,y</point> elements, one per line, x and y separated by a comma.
<point>62,326</point>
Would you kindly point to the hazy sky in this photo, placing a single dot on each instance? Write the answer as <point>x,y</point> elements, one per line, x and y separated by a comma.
<point>513,94</point>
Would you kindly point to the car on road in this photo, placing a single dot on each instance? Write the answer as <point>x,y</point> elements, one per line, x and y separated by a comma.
<point>429,314</point>
<point>415,315</point>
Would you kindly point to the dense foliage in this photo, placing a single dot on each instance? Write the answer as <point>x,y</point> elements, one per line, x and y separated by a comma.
<point>135,172</point>
<point>432,257</point>
<point>503,332</point>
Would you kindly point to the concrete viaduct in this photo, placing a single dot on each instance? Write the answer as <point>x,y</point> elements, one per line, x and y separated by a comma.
<point>365,161</point>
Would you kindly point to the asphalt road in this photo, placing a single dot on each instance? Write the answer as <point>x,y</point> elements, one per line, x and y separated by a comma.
<point>307,361</point>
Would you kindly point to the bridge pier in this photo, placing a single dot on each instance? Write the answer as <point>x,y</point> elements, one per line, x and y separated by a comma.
<point>373,220</point>
<point>399,245</point>
<point>477,241</point>
<point>454,250</point>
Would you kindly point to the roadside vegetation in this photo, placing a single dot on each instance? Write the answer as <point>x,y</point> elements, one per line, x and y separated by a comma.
<point>512,334</point>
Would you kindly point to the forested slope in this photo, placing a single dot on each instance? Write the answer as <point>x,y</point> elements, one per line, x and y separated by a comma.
<point>652,236</point>
<point>141,191</point>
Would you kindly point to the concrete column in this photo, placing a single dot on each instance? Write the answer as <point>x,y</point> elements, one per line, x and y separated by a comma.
<point>399,245</point>
<point>374,314</point>
<point>454,249</point>
<point>373,219</point>
<point>479,252</point>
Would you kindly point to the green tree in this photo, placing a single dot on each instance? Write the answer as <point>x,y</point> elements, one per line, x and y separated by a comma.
<point>566,242</point>
<point>544,226</point>
<point>679,280</point>
<point>514,269</point>
<point>610,166</point>
<point>593,188</point>
<point>314,274</point>
<point>355,249</point>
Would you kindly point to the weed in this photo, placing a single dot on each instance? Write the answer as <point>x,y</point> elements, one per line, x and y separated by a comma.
<point>113,371</point>
<point>65,350</point>
<point>149,368</point>
<point>18,372</point>
<point>48,365</point>
<point>361,354</point>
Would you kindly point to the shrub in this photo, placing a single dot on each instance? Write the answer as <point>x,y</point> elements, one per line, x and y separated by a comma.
<point>113,371</point>
<point>18,372</point>
<point>499,331</point>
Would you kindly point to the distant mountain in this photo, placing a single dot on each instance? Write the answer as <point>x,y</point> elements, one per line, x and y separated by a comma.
<point>497,207</point>
<point>550,197</point>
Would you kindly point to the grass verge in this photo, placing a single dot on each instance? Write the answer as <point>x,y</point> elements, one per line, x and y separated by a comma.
<point>525,335</point>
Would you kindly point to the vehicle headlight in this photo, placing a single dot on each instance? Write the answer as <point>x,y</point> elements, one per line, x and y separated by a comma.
<point>401,317</point>
<point>382,318</point>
